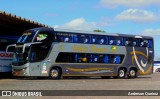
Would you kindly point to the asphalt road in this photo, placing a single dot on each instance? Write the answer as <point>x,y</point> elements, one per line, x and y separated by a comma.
<point>150,82</point>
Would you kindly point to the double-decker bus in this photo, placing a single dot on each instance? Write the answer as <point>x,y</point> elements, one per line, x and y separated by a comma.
<point>57,53</point>
<point>6,58</point>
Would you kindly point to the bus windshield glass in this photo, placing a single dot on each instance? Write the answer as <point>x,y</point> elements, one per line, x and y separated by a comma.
<point>26,37</point>
<point>20,58</point>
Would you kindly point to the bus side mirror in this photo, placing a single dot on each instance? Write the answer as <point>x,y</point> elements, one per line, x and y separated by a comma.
<point>13,45</point>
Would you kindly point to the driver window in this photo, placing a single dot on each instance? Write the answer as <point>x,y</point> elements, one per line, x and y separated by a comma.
<point>40,51</point>
<point>44,37</point>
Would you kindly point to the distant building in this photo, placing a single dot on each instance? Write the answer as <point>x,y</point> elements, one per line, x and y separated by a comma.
<point>13,25</point>
<point>157,55</point>
<point>156,67</point>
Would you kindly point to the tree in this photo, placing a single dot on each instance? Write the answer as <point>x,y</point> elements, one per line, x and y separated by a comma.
<point>99,31</point>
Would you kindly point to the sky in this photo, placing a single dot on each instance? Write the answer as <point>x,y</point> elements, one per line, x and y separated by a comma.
<point>138,17</point>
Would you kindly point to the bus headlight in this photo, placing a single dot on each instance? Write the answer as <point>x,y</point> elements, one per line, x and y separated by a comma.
<point>24,68</point>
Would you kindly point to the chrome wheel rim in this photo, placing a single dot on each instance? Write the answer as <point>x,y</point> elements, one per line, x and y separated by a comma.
<point>132,73</point>
<point>121,73</point>
<point>54,73</point>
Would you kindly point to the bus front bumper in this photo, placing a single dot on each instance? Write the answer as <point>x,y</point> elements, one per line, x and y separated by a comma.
<point>20,71</point>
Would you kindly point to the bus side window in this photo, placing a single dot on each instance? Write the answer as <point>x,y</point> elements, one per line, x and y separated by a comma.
<point>143,43</point>
<point>76,58</point>
<point>66,57</point>
<point>63,37</point>
<point>45,37</point>
<point>111,42</point>
<point>75,39</point>
<point>84,38</point>
<point>130,42</point>
<point>98,58</point>
<point>107,40</point>
<point>117,59</point>
<point>93,40</point>
<point>150,43</point>
<point>127,43</point>
<point>67,39</point>
<point>118,42</point>
<point>83,58</point>
<point>106,59</point>
<point>42,36</point>
<point>98,39</point>
<point>115,41</point>
<point>134,43</point>
<point>111,59</point>
<point>102,41</point>
<point>60,39</point>
<point>95,58</point>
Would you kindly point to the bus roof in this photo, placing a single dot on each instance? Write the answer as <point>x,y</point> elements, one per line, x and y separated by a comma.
<point>85,32</point>
<point>101,33</point>
<point>91,32</point>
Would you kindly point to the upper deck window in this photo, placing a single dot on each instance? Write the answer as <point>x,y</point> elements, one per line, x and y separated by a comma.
<point>150,43</point>
<point>130,42</point>
<point>146,43</point>
<point>99,39</point>
<point>81,38</point>
<point>115,41</point>
<point>143,43</point>
<point>41,37</point>
<point>44,36</point>
<point>64,37</point>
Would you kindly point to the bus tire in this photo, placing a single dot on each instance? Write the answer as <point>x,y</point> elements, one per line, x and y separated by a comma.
<point>55,73</point>
<point>132,73</point>
<point>121,73</point>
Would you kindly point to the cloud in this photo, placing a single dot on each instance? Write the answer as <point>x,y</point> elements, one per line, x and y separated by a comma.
<point>155,33</point>
<point>128,3</point>
<point>137,15</point>
<point>82,24</point>
<point>78,24</point>
<point>151,32</point>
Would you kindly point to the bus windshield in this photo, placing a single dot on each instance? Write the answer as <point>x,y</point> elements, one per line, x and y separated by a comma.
<point>26,37</point>
<point>20,58</point>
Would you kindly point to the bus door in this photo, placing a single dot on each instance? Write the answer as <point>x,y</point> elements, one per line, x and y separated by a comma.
<point>35,61</point>
<point>37,54</point>
<point>40,51</point>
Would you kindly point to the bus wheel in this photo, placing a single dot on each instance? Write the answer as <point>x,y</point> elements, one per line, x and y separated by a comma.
<point>132,73</point>
<point>55,73</point>
<point>121,73</point>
